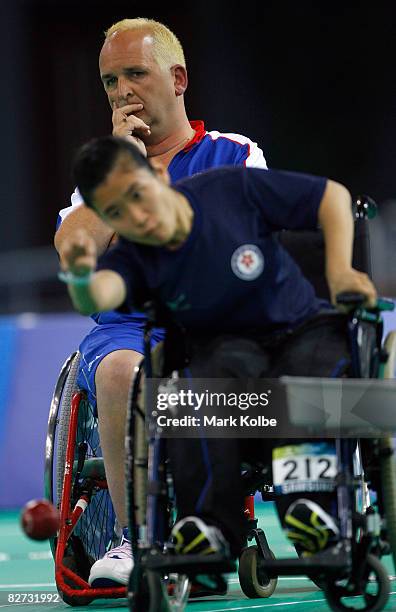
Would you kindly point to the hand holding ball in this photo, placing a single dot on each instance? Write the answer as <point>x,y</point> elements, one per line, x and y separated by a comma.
<point>40,519</point>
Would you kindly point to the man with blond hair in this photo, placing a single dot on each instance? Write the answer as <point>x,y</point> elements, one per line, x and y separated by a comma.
<point>143,71</point>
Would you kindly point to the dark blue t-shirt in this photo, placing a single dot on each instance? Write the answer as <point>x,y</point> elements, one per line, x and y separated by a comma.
<point>231,274</point>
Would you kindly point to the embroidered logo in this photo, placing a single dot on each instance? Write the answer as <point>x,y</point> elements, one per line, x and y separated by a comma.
<point>247,262</point>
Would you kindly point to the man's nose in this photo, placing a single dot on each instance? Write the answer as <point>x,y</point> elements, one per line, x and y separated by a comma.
<point>124,88</point>
<point>137,216</point>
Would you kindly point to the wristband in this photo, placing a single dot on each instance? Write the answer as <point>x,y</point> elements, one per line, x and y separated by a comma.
<point>74,279</point>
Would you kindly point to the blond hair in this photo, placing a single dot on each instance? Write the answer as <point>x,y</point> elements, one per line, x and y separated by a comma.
<point>167,48</point>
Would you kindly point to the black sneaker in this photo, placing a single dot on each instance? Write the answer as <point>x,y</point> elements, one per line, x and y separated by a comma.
<point>309,527</point>
<point>191,536</point>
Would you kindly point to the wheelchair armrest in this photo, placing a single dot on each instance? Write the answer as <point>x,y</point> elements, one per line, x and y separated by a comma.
<point>350,299</point>
<point>356,299</point>
<point>383,304</point>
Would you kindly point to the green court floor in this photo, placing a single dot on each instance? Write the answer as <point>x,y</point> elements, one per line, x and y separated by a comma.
<point>26,567</point>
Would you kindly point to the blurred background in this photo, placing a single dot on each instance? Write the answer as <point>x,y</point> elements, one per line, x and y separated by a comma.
<point>311,82</point>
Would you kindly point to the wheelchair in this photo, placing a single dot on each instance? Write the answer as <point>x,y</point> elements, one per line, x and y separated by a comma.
<point>161,580</point>
<point>75,482</point>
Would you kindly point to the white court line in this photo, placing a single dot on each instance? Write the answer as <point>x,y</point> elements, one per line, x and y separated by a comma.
<point>22,586</point>
<point>236,581</point>
<point>274,605</point>
<point>289,603</point>
<point>25,603</point>
<point>12,533</point>
<point>39,555</point>
<point>52,584</point>
<point>35,555</point>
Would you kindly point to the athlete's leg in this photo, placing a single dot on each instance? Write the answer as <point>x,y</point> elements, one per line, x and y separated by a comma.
<point>319,348</point>
<point>108,357</point>
<point>207,471</point>
<point>113,379</point>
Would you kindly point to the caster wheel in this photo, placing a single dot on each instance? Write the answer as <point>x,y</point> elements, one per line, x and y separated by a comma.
<point>253,579</point>
<point>373,596</point>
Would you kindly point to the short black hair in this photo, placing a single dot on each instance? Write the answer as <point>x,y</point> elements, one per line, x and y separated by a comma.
<point>96,159</point>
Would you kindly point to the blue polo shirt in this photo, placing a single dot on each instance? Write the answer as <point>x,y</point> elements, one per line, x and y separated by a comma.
<point>231,274</point>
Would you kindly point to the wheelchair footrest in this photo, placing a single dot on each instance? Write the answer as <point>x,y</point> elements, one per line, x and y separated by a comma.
<point>191,565</point>
<point>335,560</point>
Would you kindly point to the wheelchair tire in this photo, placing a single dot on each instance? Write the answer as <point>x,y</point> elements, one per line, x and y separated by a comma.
<point>136,461</point>
<point>253,580</point>
<point>67,373</point>
<point>335,592</point>
<point>390,348</point>
<point>387,457</point>
<point>69,390</point>
<point>145,592</point>
<point>388,485</point>
<point>158,601</point>
<point>95,528</point>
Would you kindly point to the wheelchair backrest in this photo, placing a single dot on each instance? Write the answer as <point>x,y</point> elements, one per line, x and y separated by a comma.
<point>307,248</point>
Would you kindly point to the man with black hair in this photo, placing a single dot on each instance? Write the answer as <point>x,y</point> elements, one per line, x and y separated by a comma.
<point>205,250</point>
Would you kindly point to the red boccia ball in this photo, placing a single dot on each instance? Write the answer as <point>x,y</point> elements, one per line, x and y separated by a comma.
<point>40,519</point>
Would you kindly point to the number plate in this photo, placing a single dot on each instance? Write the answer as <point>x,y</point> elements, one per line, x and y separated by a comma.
<point>304,467</point>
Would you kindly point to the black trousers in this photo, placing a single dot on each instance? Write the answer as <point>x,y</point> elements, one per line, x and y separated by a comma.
<point>207,472</point>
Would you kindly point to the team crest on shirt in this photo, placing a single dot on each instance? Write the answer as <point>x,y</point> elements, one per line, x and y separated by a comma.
<point>247,262</point>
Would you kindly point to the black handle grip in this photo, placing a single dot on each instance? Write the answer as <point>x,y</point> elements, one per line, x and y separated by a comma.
<point>350,299</point>
<point>357,299</point>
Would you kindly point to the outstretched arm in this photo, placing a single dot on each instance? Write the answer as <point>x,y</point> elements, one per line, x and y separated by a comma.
<point>336,220</point>
<point>90,291</point>
<point>83,217</point>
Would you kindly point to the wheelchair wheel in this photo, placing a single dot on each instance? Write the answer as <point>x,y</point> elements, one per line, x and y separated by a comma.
<point>136,464</point>
<point>253,579</point>
<point>51,431</point>
<point>151,594</point>
<point>375,591</point>
<point>95,528</point>
<point>387,457</point>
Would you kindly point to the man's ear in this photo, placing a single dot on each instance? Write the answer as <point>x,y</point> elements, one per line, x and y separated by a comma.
<point>180,79</point>
<point>161,171</point>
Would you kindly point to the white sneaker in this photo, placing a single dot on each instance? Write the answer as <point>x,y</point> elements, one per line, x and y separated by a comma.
<point>114,568</point>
